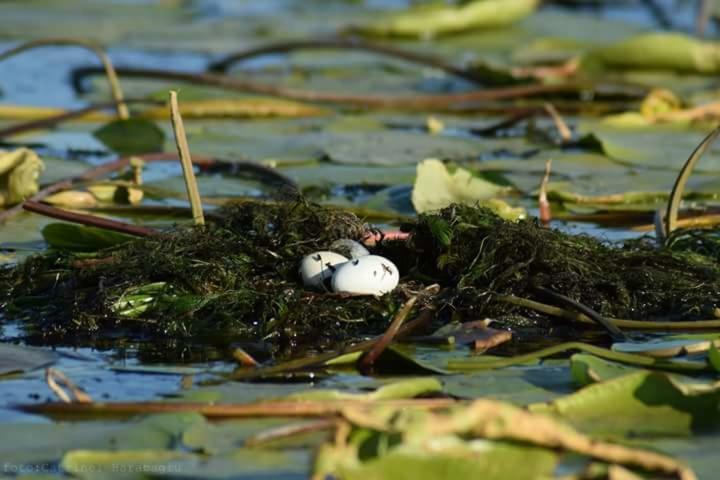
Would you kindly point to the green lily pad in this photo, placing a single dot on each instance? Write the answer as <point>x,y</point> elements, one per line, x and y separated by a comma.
<point>132,136</point>
<point>121,464</point>
<point>47,443</point>
<point>79,238</point>
<point>396,148</point>
<point>586,369</point>
<point>640,404</point>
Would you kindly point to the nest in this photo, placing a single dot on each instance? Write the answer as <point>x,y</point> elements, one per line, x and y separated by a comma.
<point>236,279</point>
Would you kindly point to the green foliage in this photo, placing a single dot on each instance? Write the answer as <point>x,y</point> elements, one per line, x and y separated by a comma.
<point>79,238</point>
<point>490,256</point>
<point>132,136</point>
<point>236,279</point>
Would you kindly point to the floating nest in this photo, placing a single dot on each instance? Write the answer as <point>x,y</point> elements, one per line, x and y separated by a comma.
<point>236,279</point>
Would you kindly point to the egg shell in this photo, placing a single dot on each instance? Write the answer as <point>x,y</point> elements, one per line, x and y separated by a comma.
<point>368,275</point>
<point>318,267</point>
<point>349,248</point>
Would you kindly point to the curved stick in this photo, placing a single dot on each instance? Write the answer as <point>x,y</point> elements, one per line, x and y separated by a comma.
<point>671,213</point>
<point>110,72</point>
<point>222,65</point>
<point>90,220</point>
<point>613,329</point>
<point>444,101</point>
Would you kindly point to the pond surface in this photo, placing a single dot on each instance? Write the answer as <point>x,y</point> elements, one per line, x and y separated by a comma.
<point>350,157</point>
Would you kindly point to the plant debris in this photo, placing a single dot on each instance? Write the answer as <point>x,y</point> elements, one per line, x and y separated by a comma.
<point>236,279</point>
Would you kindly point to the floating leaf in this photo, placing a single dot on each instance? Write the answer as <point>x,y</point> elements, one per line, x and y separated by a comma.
<point>117,193</point>
<point>469,433</point>
<point>586,369</point>
<point>395,148</point>
<point>19,172</point>
<point>80,238</point>
<point>72,199</point>
<point>429,21</point>
<point>236,108</point>
<point>437,186</point>
<point>657,51</point>
<point>641,403</point>
<point>47,442</point>
<point>102,464</point>
<point>664,348</point>
<point>131,137</point>
<point>28,113</point>
<point>397,390</point>
<point>17,358</point>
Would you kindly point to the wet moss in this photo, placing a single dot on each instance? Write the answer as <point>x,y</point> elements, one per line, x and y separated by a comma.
<point>236,280</point>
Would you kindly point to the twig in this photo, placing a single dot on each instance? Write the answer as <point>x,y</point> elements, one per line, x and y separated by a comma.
<point>412,102</point>
<point>629,324</point>
<point>671,213</point>
<point>186,160</point>
<point>90,220</point>
<point>421,320</point>
<point>222,65</point>
<point>108,68</point>
<point>55,379</point>
<point>367,360</point>
<point>589,312</point>
<point>703,16</point>
<point>244,358</point>
<point>264,409</point>
<point>543,203</point>
<point>560,125</point>
<point>289,431</point>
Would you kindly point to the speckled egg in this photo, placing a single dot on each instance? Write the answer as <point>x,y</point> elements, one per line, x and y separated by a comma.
<point>318,267</point>
<point>367,275</point>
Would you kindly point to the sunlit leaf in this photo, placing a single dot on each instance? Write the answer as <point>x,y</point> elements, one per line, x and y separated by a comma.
<point>437,186</point>
<point>437,20</point>
<point>19,173</point>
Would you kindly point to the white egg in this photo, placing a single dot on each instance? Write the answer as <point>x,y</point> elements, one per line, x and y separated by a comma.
<point>349,248</point>
<point>368,275</point>
<point>318,267</point>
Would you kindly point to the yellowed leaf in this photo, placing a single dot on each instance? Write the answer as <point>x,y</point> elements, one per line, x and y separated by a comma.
<point>72,199</point>
<point>234,108</point>
<point>19,173</point>
<point>29,113</point>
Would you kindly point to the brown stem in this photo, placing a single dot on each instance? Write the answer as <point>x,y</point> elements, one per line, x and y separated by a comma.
<point>450,101</point>
<point>315,360</point>
<point>280,408</point>
<point>368,359</point>
<point>222,65</point>
<point>90,220</point>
